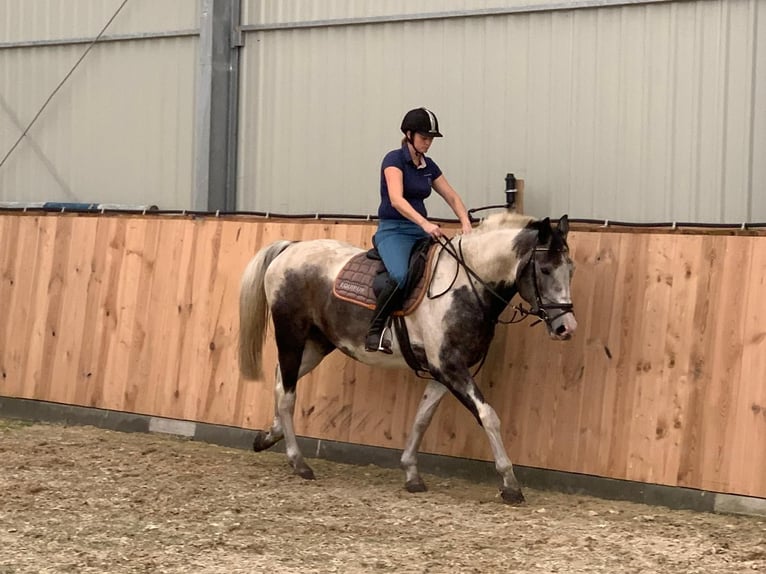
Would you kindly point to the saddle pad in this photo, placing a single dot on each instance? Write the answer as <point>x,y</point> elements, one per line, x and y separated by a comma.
<point>354,282</point>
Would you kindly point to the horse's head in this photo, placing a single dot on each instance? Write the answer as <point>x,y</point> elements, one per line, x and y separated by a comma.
<point>545,274</point>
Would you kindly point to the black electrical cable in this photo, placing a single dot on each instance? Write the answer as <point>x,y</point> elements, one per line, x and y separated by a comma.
<point>604,223</point>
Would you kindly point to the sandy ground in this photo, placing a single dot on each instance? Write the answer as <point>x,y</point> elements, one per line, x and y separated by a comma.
<point>81,499</point>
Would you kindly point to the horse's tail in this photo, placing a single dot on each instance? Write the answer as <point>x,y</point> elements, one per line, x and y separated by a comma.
<point>254,310</point>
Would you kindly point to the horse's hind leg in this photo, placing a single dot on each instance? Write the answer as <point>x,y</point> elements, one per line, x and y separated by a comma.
<point>432,396</point>
<point>285,411</point>
<point>292,366</point>
<point>264,440</point>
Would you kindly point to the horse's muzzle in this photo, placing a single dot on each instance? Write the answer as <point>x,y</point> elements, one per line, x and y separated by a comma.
<point>565,328</point>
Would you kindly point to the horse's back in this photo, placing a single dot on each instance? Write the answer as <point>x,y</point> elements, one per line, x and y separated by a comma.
<point>309,264</point>
<point>330,254</point>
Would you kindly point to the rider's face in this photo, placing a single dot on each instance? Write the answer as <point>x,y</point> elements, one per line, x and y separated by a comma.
<point>421,142</point>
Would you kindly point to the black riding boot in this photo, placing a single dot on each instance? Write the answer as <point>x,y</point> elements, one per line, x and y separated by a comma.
<point>387,302</point>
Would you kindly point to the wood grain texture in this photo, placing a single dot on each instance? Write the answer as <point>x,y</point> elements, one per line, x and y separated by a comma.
<point>664,382</point>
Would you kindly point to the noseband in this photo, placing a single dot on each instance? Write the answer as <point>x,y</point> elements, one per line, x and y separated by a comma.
<point>541,309</point>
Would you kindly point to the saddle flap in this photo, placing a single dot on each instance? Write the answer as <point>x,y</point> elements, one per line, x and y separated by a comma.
<point>355,282</point>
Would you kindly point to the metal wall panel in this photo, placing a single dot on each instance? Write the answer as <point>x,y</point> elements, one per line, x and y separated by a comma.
<point>41,20</point>
<point>120,130</point>
<point>651,112</point>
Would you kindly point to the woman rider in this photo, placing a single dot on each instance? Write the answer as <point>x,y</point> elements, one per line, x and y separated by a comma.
<point>407,177</point>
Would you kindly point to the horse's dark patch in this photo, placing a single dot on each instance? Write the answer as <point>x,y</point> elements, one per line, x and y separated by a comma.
<point>525,242</point>
<point>542,233</point>
<point>320,341</point>
<point>461,347</point>
<point>348,321</point>
<point>293,323</point>
<point>309,288</point>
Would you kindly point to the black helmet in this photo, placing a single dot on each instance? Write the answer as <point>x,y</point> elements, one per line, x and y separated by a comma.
<point>422,121</point>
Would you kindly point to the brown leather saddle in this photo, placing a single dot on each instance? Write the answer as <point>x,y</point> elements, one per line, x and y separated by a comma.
<point>355,282</point>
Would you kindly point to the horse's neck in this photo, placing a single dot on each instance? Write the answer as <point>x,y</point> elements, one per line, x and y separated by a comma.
<point>491,255</point>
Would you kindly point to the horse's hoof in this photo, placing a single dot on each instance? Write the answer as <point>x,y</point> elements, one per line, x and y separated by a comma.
<point>261,441</point>
<point>305,473</point>
<point>415,485</point>
<point>512,496</point>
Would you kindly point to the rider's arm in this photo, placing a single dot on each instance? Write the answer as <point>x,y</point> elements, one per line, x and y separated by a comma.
<point>443,188</point>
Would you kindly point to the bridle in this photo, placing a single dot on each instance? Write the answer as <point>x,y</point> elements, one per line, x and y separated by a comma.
<point>540,309</point>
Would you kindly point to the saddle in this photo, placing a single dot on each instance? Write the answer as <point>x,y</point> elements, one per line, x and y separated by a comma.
<point>360,279</point>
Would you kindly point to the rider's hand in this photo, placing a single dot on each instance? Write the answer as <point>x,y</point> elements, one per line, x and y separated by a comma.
<point>466,228</point>
<point>432,229</point>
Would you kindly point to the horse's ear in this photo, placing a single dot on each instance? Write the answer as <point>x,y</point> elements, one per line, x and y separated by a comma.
<point>544,231</point>
<point>563,225</point>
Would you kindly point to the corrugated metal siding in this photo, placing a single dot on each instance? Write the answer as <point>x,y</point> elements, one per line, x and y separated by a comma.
<point>119,131</point>
<point>641,113</point>
<point>121,128</point>
<point>25,20</point>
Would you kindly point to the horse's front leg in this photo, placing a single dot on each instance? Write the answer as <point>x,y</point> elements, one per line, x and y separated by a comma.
<point>466,391</point>
<point>432,396</point>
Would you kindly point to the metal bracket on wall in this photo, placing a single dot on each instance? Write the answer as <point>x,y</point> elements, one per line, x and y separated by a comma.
<point>237,37</point>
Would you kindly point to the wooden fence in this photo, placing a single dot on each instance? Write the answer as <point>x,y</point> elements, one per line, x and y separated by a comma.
<point>664,382</point>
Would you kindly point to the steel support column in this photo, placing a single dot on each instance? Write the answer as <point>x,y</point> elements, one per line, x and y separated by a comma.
<point>216,112</point>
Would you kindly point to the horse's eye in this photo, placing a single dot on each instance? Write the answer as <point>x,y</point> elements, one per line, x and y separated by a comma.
<point>545,270</point>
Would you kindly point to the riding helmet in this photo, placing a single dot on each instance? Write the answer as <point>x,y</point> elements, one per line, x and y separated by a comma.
<point>422,121</point>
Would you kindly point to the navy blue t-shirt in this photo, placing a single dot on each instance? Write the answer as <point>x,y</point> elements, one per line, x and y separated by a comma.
<point>417,182</point>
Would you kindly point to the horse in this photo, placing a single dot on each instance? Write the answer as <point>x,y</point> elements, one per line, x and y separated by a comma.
<point>449,332</point>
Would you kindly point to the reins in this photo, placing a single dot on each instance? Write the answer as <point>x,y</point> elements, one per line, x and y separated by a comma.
<point>446,245</point>
<point>519,312</point>
<point>457,255</point>
<point>540,310</point>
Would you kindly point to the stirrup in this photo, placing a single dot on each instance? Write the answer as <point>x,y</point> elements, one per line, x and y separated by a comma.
<point>383,345</point>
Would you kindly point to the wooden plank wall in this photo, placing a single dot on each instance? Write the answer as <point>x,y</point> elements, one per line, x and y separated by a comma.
<point>665,381</point>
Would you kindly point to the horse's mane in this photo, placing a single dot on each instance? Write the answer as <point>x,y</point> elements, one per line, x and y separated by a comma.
<point>504,220</point>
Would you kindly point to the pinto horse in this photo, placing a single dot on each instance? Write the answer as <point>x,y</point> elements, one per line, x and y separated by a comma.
<point>449,333</point>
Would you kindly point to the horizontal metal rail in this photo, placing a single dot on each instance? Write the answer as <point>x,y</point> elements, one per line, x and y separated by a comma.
<point>110,38</point>
<point>447,15</point>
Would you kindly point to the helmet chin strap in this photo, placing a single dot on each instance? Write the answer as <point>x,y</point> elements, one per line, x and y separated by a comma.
<point>411,141</point>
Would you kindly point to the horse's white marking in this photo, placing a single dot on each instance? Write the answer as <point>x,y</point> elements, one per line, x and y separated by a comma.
<point>286,402</point>
<point>491,423</point>
<point>432,396</point>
